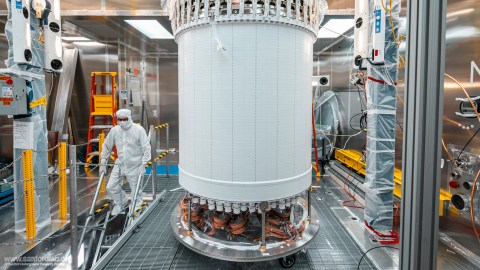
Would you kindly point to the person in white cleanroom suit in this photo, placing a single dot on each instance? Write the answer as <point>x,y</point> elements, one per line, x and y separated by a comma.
<point>133,150</point>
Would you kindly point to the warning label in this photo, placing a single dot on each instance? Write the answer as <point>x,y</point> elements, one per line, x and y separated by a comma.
<point>6,101</point>
<point>7,92</point>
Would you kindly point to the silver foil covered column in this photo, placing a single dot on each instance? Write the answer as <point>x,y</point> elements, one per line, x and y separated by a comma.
<point>36,116</point>
<point>382,109</point>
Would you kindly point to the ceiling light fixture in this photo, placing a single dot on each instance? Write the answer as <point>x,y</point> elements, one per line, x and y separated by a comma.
<point>75,39</point>
<point>88,43</point>
<point>335,28</point>
<point>151,28</point>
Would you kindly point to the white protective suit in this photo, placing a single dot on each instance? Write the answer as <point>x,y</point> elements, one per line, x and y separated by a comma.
<point>133,150</point>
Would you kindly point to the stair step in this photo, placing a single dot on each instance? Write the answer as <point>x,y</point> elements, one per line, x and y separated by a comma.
<point>101,127</point>
<point>96,153</point>
<point>101,113</point>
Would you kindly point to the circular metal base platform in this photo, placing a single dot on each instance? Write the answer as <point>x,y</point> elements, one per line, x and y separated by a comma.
<point>241,252</point>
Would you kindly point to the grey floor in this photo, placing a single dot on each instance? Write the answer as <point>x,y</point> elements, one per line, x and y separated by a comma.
<point>155,247</point>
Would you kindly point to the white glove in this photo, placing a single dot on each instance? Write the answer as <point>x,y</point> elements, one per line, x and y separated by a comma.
<point>142,169</point>
<point>103,166</point>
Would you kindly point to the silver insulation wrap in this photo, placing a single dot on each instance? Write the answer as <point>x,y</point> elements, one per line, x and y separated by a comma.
<point>36,116</point>
<point>382,107</point>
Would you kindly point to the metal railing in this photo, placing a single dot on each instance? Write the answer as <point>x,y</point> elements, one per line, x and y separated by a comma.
<point>67,160</point>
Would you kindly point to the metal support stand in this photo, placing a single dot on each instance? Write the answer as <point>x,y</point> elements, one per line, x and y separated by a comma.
<point>423,120</point>
<point>153,139</point>
<point>324,159</point>
<point>309,202</point>
<point>102,237</point>
<point>131,210</point>
<point>62,184</point>
<point>167,160</point>
<point>190,215</point>
<point>73,206</point>
<point>263,247</point>
<point>29,198</point>
<point>92,207</point>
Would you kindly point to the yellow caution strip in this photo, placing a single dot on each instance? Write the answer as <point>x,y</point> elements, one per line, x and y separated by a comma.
<point>161,126</point>
<point>144,204</point>
<point>100,209</point>
<point>29,198</point>
<point>162,155</point>
<point>39,102</point>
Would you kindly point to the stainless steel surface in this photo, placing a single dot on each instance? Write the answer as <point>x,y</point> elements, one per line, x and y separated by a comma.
<point>73,207</point>
<point>451,255</point>
<point>242,252</point>
<point>339,175</point>
<point>383,258</point>
<point>127,234</point>
<point>61,108</point>
<point>352,219</point>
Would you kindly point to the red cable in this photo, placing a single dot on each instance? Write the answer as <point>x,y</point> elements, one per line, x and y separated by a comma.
<point>315,138</point>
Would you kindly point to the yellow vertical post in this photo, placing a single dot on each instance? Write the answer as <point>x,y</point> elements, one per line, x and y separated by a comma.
<point>62,184</point>
<point>29,197</point>
<point>101,139</point>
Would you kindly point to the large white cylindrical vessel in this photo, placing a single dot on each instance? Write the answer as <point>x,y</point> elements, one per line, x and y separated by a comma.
<point>245,72</point>
<point>245,101</point>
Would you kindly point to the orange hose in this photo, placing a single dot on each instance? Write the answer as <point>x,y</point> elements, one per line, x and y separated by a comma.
<point>315,139</point>
<point>466,94</point>
<point>472,198</point>
<point>446,151</point>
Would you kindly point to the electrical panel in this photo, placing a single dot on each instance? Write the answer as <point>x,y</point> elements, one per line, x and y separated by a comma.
<point>53,39</point>
<point>462,173</point>
<point>378,33</point>
<point>13,96</point>
<point>22,51</point>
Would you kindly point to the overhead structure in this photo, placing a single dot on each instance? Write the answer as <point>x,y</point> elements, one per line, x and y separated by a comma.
<point>245,71</point>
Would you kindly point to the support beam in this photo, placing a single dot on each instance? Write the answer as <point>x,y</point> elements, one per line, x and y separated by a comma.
<point>422,133</point>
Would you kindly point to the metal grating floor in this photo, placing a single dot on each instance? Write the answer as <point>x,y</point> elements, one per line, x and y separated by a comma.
<point>155,247</point>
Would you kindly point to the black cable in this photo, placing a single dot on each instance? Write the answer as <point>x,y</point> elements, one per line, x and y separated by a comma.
<point>363,122</point>
<point>359,262</point>
<point>362,104</point>
<point>350,121</point>
<point>458,158</point>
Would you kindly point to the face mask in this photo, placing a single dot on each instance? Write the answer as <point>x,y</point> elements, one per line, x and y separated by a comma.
<point>124,124</point>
